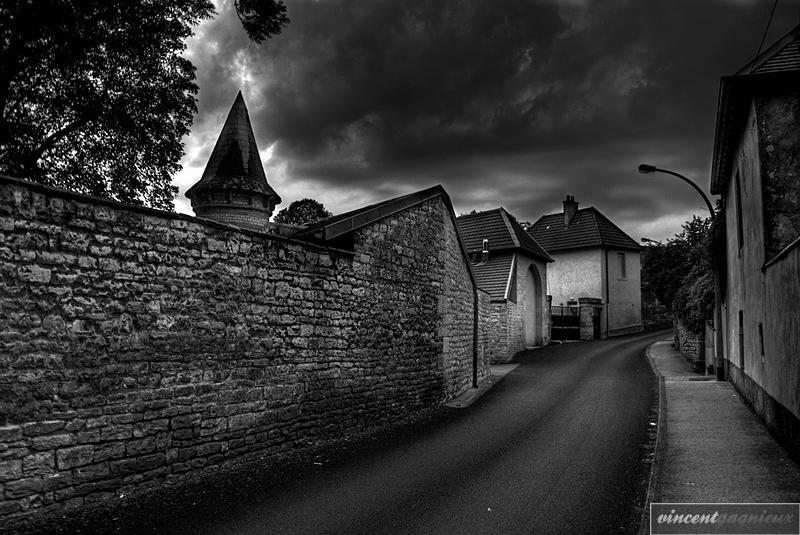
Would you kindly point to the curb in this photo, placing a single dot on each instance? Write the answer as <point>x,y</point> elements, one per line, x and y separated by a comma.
<point>660,448</point>
<point>470,396</point>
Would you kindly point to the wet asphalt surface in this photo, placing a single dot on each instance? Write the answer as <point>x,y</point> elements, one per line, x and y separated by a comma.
<point>561,445</point>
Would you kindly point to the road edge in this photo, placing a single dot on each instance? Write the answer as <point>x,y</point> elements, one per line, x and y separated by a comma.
<point>660,446</point>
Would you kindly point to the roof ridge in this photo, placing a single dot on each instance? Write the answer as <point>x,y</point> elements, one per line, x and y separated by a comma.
<point>594,212</point>
<point>504,215</point>
<point>773,50</point>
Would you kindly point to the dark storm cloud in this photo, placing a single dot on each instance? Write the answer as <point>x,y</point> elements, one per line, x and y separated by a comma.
<point>512,103</point>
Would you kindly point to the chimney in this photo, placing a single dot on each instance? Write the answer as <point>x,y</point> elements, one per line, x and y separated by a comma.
<point>570,209</point>
<point>485,252</point>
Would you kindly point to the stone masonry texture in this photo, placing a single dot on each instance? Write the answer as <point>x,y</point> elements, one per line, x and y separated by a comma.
<point>137,346</point>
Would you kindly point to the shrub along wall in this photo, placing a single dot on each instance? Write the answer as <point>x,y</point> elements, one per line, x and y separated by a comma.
<point>137,345</point>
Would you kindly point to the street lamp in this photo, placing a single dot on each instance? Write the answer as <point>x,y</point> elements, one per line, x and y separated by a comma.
<point>646,169</point>
<point>718,364</point>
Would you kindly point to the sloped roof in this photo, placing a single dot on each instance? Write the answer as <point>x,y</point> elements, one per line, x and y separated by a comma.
<point>492,276</point>
<point>502,230</point>
<point>329,229</point>
<point>588,228</point>
<point>783,55</point>
<point>334,226</point>
<point>778,64</point>
<point>234,163</point>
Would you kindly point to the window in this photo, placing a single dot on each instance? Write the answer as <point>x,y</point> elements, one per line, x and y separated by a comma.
<point>739,227</point>
<point>741,340</point>
<point>623,271</point>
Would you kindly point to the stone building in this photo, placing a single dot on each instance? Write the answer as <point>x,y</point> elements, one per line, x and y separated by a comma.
<point>143,346</point>
<point>512,268</point>
<point>234,188</point>
<point>595,260</point>
<point>756,171</point>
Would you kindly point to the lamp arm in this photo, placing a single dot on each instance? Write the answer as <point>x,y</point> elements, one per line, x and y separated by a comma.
<point>695,186</point>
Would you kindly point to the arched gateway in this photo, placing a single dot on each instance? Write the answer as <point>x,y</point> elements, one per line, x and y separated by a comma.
<point>534,307</point>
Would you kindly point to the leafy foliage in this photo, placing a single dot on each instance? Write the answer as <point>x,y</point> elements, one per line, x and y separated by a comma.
<point>95,95</point>
<point>680,274</point>
<point>302,212</point>
<point>261,19</point>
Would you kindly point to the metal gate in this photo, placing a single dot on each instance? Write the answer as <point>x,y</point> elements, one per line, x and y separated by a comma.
<point>565,323</point>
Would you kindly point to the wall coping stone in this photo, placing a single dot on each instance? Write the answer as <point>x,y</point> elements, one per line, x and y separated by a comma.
<point>92,199</point>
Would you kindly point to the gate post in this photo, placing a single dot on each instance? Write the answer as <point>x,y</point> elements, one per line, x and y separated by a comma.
<point>589,317</point>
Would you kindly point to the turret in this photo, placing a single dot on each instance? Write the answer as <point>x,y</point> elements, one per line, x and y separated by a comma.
<point>234,188</point>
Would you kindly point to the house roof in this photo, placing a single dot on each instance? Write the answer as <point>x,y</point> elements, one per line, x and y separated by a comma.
<point>588,228</point>
<point>503,232</point>
<point>329,229</point>
<point>778,65</point>
<point>234,163</point>
<point>492,276</point>
<point>337,225</point>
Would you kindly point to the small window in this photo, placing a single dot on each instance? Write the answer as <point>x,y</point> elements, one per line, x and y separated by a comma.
<point>739,224</point>
<point>741,339</point>
<point>623,270</point>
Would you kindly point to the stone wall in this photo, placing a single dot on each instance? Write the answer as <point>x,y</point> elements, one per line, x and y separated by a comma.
<point>138,345</point>
<point>779,137</point>
<point>498,331</point>
<point>690,345</point>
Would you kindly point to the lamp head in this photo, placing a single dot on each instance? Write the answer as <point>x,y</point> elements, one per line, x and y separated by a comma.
<point>645,168</point>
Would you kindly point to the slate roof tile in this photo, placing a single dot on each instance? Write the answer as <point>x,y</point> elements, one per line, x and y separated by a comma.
<point>503,232</point>
<point>234,163</point>
<point>492,276</point>
<point>588,228</point>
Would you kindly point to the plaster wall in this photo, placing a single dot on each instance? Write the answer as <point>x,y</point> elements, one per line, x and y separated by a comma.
<point>745,281</point>
<point>575,274</point>
<point>762,350</point>
<point>624,293</point>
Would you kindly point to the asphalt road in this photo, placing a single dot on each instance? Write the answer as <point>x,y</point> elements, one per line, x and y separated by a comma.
<point>560,445</point>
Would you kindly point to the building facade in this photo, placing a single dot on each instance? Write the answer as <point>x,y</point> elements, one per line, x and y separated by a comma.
<point>512,268</point>
<point>756,171</point>
<point>592,259</point>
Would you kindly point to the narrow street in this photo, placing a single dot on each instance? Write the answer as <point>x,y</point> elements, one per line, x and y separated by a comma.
<point>556,447</point>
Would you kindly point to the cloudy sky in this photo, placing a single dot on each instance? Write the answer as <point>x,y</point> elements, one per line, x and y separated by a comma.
<point>512,103</point>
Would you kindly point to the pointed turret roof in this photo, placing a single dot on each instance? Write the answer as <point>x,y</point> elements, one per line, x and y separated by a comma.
<point>235,163</point>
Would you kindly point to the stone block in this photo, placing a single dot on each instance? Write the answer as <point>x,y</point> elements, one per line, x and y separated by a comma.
<point>35,274</point>
<point>186,420</point>
<point>138,447</point>
<point>92,472</point>
<point>51,482</point>
<point>21,488</point>
<point>113,450</point>
<point>10,469</point>
<point>10,433</point>
<point>75,456</point>
<point>51,442</point>
<point>149,462</point>
<point>116,432</point>
<point>7,507</point>
<point>42,428</point>
<point>39,463</point>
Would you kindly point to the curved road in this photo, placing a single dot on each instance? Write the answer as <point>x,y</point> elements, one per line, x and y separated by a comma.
<point>558,446</point>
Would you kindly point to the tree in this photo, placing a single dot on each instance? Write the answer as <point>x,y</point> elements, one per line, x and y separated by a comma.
<point>302,212</point>
<point>95,95</point>
<point>680,275</point>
